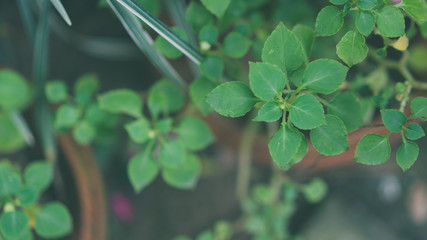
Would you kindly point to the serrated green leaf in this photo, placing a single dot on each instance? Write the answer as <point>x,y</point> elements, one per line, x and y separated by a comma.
<point>232,99</point>
<point>11,139</point>
<point>338,2</point>
<point>142,169</point>
<point>419,107</point>
<point>330,139</point>
<point>138,130</point>
<point>38,175</point>
<point>197,15</point>
<point>14,224</point>
<point>352,48</point>
<point>53,220</point>
<point>390,22</point>
<point>306,37</point>
<point>366,4</point>
<point>307,112</point>
<point>393,119</point>
<point>414,131</point>
<point>269,112</point>
<point>372,149</point>
<point>172,153</point>
<point>329,21</point>
<point>212,68</point>
<point>236,45</point>
<point>266,80</point>
<point>284,145</point>
<point>407,155</point>
<point>283,49</point>
<point>324,76</point>
<point>14,90</point>
<point>164,97</point>
<point>346,106</point>
<point>185,175</point>
<point>166,48</point>
<point>56,91</point>
<point>121,101</point>
<point>208,33</point>
<point>315,191</point>
<point>217,7</point>
<point>84,133</point>
<point>10,182</point>
<point>194,133</point>
<point>415,8</point>
<point>365,22</point>
<point>199,89</point>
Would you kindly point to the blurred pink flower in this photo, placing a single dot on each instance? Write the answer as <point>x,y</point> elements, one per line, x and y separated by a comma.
<point>122,207</point>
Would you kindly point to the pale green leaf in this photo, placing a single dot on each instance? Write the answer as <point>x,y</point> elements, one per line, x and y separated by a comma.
<point>172,153</point>
<point>14,90</point>
<point>217,7</point>
<point>84,133</point>
<point>138,130</point>
<point>352,48</point>
<point>142,169</point>
<point>121,101</point>
<point>329,21</point>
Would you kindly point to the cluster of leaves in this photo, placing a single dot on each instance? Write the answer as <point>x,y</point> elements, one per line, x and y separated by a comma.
<point>223,230</point>
<point>19,208</point>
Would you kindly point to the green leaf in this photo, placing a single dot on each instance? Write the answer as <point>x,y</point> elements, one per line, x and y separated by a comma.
<point>338,2</point>
<point>194,133</point>
<point>11,140</point>
<point>324,76</point>
<point>315,191</point>
<point>14,224</point>
<point>283,49</point>
<point>142,169</point>
<point>185,175</point>
<point>366,4</point>
<point>393,119</point>
<point>415,8</point>
<point>205,235</point>
<point>164,125</point>
<point>197,15</point>
<point>53,220</point>
<point>27,196</point>
<point>166,48</point>
<point>329,21</point>
<point>414,131</point>
<point>164,97</point>
<point>199,88</point>
<point>269,112</point>
<point>38,175</point>
<point>84,133</point>
<point>302,150</point>
<point>121,101</point>
<point>10,182</point>
<point>296,76</point>
<point>232,99</point>
<point>307,112</point>
<point>138,130</point>
<point>14,90</point>
<point>172,153</point>
<point>407,155</point>
<point>56,91</point>
<point>85,88</point>
<point>236,45</point>
<point>352,48</point>
<point>419,107</point>
<point>266,80</point>
<point>390,22</point>
<point>306,37</point>
<point>217,7</point>
<point>209,33</point>
<point>212,68</point>
<point>346,106</point>
<point>67,116</point>
<point>284,145</point>
<point>365,22</point>
<point>372,149</point>
<point>330,139</point>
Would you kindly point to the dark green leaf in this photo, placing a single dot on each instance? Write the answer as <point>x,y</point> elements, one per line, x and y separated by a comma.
<point>407,155</point>
<point>390,22</point>
<point>11,139</point>
<point>352,48</point>
<point>283,49</point>
<point>315,191</point>
<point>85,88</point>
<point>194,133</point>
<point>56,91</point>
<point>284,145</point>
<point>419,107</point>
<point>14,225</point>
<point>142,170</point>
<point>330,139</point>
<point>14,90</point>
<point>164,97</point>
<point>66,116</point>
<point>172,153</point>
<point>329,21</point>
<point>415,8</point>
<point>185,175</point>
<point>212,68</point>
<point>266,80</point>
<point>53,220</point>
<point>366,4</point>
<point>84,133</point>
<point>38,175</point>
<point>347,107</point>
<point>414,131</point>
<point>306,37</point>
<point>198,91</point>
<point>10,182</point>
<point>324,76</point>
<point>365,22</point>
<point>138,130</point>
<point>269,112</point>
<point>307,112</point>
<point>232,99</point>
<point>236,45</point>
<point>372,149</point>
<point>393,119</point>
<point>121,101</point>
<point>217,7</point>
<point>197,15</point>
<point>209,34</point>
